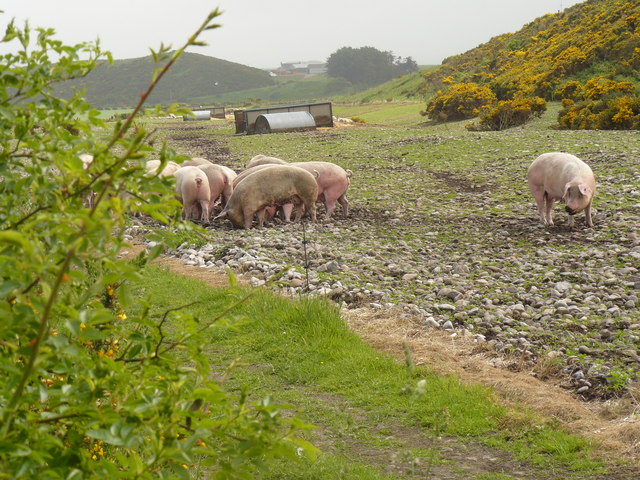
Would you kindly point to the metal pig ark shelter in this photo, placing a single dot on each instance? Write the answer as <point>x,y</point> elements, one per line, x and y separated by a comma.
<point>284,122</point>
<point>321,112</point>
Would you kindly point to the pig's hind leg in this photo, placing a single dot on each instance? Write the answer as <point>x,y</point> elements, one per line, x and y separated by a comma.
<point>342,200</point>
<point>540,197</point>
<point>261,214</point>
<point>330,206</point>
<point>204,211</point>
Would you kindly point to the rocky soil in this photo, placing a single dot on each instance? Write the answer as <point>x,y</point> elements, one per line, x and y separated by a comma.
<point>551,311</point>
<point>560,303</point>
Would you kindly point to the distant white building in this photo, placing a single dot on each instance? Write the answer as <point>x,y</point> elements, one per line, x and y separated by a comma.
<point>308,68</point>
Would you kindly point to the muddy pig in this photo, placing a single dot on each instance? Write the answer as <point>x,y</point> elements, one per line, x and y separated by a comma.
<point>562,177</point>
<point>192,187</point>
<point>273,186</point>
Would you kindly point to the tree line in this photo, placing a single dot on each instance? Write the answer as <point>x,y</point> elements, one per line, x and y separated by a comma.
<point>366,66</point>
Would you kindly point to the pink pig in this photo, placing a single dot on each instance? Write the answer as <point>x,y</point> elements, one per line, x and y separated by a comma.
<point>563,177</point>
<point>265,160</point>
<point>219,184</point>
<point>192,187</point>
<point>333,182</point>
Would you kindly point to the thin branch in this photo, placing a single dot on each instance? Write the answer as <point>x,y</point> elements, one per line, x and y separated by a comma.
<point>156,353</point>
<point>35,348</point>
<point>59,417</point>
<point>164,319</point>
<point>28,216</point>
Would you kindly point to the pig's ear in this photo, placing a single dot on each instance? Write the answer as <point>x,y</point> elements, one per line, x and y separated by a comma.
<point>566,190</point>
<point>584,189</point>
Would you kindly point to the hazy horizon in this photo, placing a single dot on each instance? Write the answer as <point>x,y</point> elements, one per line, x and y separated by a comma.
<point>266,34</point>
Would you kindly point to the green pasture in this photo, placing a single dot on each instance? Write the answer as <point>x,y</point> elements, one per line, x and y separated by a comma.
<point>391,113</point>
<point>364,404</point>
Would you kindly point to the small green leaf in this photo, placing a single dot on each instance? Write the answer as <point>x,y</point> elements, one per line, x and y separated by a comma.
<point>16,239</point>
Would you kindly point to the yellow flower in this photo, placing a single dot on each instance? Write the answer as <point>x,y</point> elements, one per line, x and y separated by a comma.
<point>46,381</point>
<point>82,326</point>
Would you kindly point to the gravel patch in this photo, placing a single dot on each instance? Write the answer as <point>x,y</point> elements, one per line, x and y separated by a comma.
<point>555,300</point>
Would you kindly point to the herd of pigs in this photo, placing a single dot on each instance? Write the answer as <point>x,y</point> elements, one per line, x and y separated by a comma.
<point>267,186</point>
<point>270,185</point>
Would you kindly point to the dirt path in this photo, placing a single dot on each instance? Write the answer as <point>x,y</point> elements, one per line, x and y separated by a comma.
<point>449,353</point>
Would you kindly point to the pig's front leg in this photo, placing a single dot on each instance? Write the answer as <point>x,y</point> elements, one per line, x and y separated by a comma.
<point>587,215</point>
<point>548,218</point>
<point>571,220</point>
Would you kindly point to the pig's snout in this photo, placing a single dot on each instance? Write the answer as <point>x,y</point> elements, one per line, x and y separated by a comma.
<point>570,210</point>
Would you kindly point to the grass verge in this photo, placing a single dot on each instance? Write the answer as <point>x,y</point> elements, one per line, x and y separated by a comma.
<point>377,418</point>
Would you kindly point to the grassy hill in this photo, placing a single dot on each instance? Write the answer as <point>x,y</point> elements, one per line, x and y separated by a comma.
<point>288,89</point>
<point>406,87</point>
<point>594,38</point>
<point>296,88</point>
<point>194,76</point>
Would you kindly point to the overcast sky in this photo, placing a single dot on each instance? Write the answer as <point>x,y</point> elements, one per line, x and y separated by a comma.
<point>265,33</point>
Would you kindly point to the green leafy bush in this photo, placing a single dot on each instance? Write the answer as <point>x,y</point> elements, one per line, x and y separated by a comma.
<point>91,384</point>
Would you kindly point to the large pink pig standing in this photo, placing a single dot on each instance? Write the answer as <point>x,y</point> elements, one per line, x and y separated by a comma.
<point>333,182</point>
<point>271,186</point>
<point>562,177</point>
<point>192,187</point>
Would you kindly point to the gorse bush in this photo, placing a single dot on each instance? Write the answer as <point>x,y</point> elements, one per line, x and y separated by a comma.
<point>509,113</point>
<point>617,112</point>
<point>588,39</point>
<point>92,384</point>
<point>468,100</point>
<point>459,101</point>
<point>599,87</point>
<point>599,104</point>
